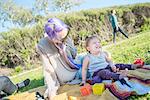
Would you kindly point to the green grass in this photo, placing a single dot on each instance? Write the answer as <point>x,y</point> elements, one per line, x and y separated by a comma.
<point>36,77</point>
<point>129,49</point>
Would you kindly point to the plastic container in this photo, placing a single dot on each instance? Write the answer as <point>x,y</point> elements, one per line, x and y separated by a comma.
<point>139,61</point>
<point>98,88</point>
<point>86,90</point>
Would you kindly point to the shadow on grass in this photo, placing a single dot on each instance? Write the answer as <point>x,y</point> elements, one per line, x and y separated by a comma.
<point>33,84</point>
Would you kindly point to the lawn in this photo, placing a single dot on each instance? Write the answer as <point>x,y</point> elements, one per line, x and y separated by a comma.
<point>36,77</point>
<point>129,49</point>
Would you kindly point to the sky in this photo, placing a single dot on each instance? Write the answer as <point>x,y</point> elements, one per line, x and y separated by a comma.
<point>87,4</point>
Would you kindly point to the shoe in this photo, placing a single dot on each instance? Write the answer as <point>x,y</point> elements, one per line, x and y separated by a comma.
<point>23,84</point>
<point>26,82</point>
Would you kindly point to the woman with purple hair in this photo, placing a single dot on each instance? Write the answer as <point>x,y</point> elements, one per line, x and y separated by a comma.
<point>57,67</point>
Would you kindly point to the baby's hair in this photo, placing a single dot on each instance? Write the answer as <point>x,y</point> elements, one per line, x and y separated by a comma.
<point>88,39</point>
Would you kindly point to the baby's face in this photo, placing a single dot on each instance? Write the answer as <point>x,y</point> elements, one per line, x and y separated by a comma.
<point>94,46</point>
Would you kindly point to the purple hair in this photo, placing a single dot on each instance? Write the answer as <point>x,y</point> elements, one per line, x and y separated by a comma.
<point>53,26</point>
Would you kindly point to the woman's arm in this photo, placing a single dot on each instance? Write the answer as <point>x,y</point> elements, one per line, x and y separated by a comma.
<point>64,55</point>
<point>84,69</point>
<point>67,60</point>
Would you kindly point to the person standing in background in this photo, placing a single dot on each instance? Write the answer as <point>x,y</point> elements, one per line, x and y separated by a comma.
<point>115,26</point>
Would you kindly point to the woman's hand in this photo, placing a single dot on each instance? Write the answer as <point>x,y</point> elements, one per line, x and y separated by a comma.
<point>60,47</point>
<point>61,51</point>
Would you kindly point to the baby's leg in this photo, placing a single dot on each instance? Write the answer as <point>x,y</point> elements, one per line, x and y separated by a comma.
<point>107,74</point>
<point>124,66</point>
<point>135,66</point>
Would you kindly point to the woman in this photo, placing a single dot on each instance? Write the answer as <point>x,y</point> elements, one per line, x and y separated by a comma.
<point>115,26</point>
<point>57,68</point>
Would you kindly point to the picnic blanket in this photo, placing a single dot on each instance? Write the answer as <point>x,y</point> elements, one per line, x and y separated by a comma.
<point>139,85</point>
<point>65,92</point>
<point>138,79</point>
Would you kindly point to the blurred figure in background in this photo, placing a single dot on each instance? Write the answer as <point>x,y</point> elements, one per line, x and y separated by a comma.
<point>115,26</point>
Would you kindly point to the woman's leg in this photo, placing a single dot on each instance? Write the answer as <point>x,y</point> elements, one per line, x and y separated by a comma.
<point>114,35</point>
<point>6,85</point>
<point>119,29</point>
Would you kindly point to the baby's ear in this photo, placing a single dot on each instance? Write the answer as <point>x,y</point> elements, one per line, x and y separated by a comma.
<point>87,48</point>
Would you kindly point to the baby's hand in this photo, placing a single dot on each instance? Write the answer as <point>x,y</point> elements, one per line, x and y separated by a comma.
<point>82,83</point>
<point>115,69</point>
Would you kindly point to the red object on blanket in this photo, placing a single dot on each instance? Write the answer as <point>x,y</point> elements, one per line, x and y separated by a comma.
<point>86,90</point>
<point>139,61</point>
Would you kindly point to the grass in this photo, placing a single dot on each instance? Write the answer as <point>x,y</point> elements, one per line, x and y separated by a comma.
<point>36,77</point>
<point>124,52</point>
<point>129,49</point>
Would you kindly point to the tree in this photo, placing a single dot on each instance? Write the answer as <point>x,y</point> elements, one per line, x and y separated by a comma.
<point>65,5</point>
<point>41,7</point>
<point>12,13</point>
<point>45,6</point>
<point>20,16</point>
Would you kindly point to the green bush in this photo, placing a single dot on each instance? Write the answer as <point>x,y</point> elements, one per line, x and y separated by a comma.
<point>146,25</point>
<point>18,46</point>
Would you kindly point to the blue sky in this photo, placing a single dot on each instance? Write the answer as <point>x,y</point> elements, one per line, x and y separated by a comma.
<point>107,3</point>
<point>87,4</point>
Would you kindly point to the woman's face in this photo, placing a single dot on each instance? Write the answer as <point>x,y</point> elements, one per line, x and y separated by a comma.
<point>61,35</point>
